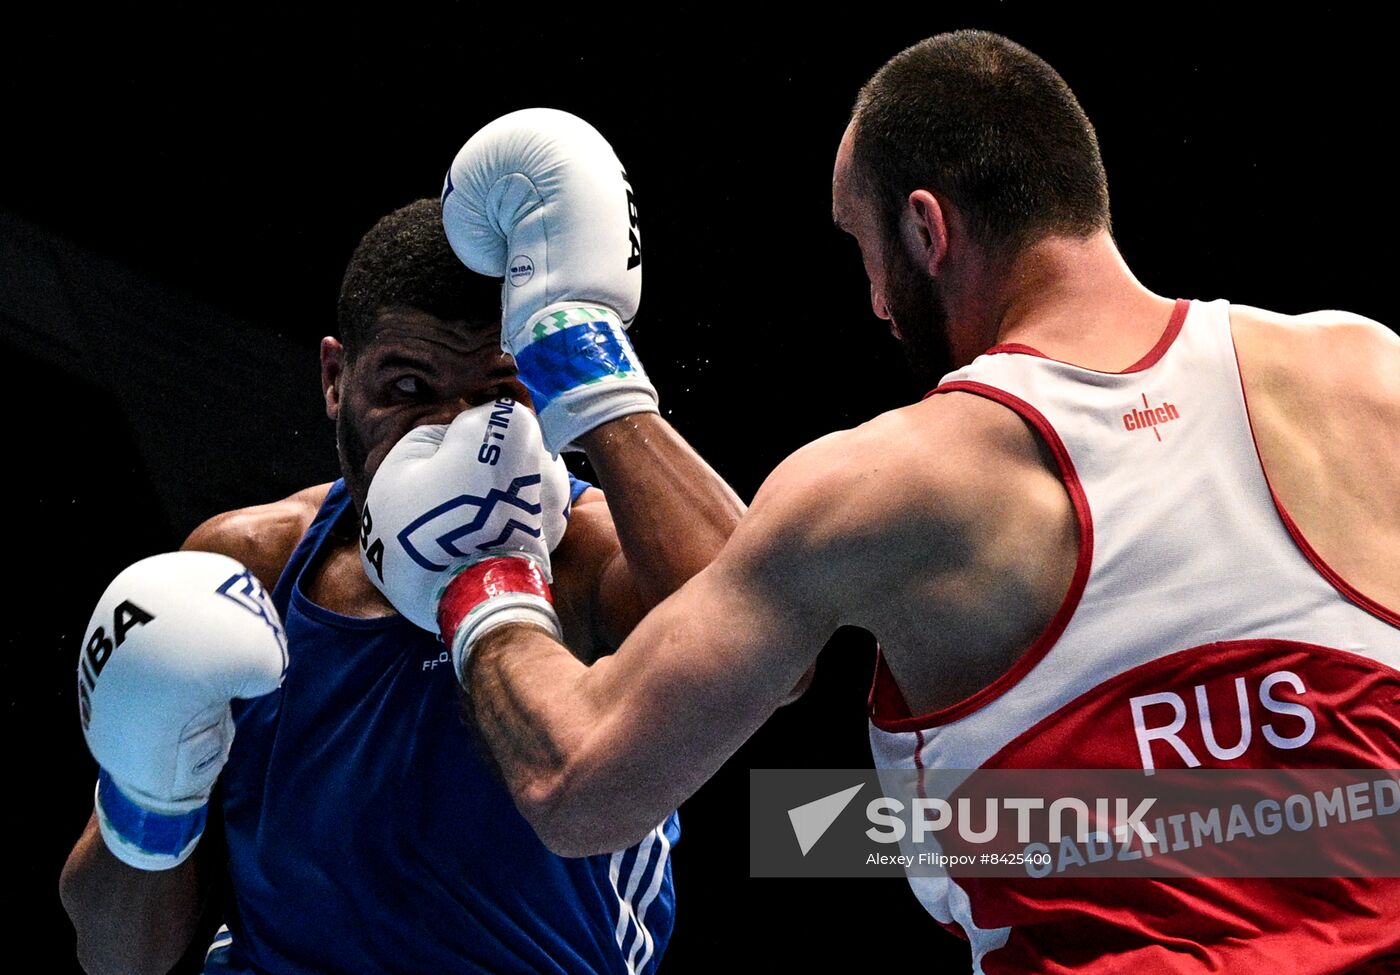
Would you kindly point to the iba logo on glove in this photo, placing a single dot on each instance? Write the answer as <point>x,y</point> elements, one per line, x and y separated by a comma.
<point>99,650</point>
<point>522,269</point>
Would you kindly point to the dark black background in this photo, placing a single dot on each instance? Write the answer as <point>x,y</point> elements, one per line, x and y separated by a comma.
<point>229,163</point>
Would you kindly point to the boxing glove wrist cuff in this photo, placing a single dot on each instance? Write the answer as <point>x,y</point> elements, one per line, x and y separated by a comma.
<point>581,372</point>
<point>580,410</point>
<point>490,593</point>
<point>144,838</point>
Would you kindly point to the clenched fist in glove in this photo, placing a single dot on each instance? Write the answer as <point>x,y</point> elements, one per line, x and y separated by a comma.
<point>459,523</point>
<point>173,640</point>
<point>539,197</point>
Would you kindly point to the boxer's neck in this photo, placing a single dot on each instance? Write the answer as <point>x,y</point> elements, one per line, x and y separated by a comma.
<point>1073,299</point>
<point>337,582</point>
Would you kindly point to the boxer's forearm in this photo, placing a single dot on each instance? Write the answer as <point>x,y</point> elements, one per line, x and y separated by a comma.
<point>522,691</point>
<point>592,764</point>
<point>596,756</point>
<point>672,511</point>
<point>127,920</point>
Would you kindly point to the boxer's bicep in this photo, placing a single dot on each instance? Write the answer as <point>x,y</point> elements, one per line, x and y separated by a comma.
<point>642,729</point>
<point>699,674</point>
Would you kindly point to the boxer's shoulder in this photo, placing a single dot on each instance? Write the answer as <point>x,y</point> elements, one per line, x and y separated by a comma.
<point>1332,347</point>
<point>953,447</point>
<point>588,540</point>
<point>590,528</point>
<point>1323,392</point>
<point>261,536</point>
<point>590,533</point>
<point>1311,323</point>
<point>590,498</point>
<point>909,490</point>
<point>1309,377</point>
<point>957,449</point>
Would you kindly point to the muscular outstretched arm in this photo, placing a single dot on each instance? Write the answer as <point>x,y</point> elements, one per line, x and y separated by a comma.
<point>596,756</point>
<point>672,516</point>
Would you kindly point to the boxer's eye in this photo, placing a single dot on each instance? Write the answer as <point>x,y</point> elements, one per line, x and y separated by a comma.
<point>512,389</point>
<point>500,392</point>
<point>410,386</point>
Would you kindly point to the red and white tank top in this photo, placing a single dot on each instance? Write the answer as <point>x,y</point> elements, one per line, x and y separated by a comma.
<point>1192,585</point>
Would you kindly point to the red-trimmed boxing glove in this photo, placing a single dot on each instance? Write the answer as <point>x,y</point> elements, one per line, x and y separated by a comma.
<point>459,523</point>
<point>489,593</point>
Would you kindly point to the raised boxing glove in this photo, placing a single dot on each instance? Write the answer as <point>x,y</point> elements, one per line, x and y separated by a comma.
<point>539,197</point>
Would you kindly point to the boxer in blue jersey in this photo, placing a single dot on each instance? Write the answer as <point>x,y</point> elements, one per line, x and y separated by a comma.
<point>365,828</point>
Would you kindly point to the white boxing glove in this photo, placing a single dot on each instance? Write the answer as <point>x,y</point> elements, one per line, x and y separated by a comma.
<point>173,640</point>
<point>539,197</point>
<point>459,523</point>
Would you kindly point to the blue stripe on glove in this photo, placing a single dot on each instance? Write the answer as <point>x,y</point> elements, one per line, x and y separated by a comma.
<point>579,354</point>
<point>151,832</point>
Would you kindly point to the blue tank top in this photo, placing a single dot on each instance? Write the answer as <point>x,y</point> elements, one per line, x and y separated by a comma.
<point>367,831</point>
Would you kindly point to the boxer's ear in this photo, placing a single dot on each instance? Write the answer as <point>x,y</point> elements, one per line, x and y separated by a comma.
<point>332,371</point>
<point>925,230</point>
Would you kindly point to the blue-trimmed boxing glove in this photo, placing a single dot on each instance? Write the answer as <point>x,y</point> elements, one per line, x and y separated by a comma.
<point>539,197</point>
<point>174,638</point>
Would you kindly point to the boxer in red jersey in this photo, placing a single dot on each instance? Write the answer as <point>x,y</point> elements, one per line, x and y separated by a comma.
<point>1057,563</point>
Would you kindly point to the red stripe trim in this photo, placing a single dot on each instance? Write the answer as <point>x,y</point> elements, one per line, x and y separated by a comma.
<point>1016,348</point>
<point>1347,590</point>
<point>894,716</point>
<point>1164,342</point>
<point>485,580</point>
<point>952,927</point>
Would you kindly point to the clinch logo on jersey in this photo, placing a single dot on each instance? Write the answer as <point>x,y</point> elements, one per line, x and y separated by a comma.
<point>1149,417</point>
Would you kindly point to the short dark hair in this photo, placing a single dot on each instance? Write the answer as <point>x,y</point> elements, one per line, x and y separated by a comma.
<point>405,261</point>
<point>986,122</point>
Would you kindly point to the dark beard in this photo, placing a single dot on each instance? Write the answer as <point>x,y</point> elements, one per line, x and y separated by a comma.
<point>914,301</point>
<point>354,456</point>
